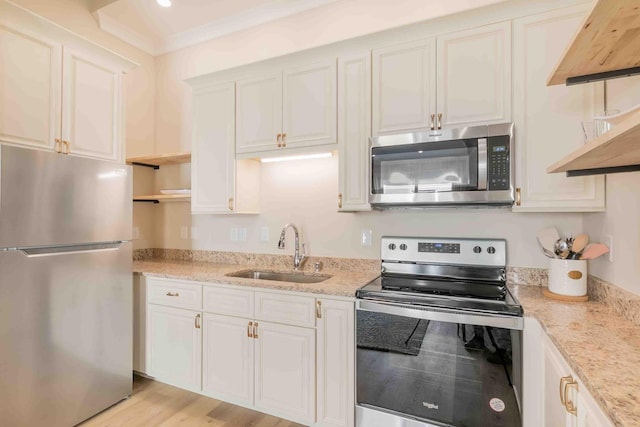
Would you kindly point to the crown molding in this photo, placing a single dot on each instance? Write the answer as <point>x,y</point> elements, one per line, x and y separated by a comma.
<point>271,11</point>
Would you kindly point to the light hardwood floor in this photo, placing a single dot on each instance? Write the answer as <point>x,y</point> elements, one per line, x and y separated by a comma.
<point>156,404</point>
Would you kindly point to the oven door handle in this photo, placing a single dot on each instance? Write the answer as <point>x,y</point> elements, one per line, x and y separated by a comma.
<point>443,315</point>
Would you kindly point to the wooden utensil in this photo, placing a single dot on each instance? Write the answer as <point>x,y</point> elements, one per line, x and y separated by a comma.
<point>594,250</point>
<point>579,243</point>
<point>548,238</point>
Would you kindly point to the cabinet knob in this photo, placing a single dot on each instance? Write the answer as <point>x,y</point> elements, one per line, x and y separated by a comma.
<point>339,200</point>
<point>279,140</point>
<point>518,197</point>
<point>249,329</point>
<point>198,321</point>
<point>230,203</point>
<point>319,309</point>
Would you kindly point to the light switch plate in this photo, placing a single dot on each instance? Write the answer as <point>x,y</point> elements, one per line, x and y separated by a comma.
<point>608,240</point>
<point>242,234</point>
<point>233,234</point>
<point>366,238</point>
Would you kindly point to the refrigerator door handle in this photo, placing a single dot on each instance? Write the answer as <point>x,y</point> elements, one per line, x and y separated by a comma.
<point>70,249</point>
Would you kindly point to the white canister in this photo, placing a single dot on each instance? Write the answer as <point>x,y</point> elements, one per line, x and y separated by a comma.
<point>568,276</point>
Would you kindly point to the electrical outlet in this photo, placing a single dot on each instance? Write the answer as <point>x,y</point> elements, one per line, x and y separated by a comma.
<point>366,238</point>
<point>135,234</point>
<point>184,232</point>
<point>242,234</point>
<point>608,240</point>
<point>233,234</point>
<point>264,234</point>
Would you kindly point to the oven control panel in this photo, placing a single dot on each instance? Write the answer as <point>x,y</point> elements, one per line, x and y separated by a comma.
<point>485,252</point>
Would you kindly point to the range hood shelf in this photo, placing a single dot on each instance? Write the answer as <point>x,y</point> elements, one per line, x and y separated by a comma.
<point>160,160</point>
<point>615,151</point>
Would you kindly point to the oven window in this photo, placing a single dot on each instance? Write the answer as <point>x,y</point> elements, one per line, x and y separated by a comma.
<point>454,374</point>
<point>425,167</point>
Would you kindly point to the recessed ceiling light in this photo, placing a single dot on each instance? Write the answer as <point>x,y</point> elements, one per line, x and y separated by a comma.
<point>164,3</point>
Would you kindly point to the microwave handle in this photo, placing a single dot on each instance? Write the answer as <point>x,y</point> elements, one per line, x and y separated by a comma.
<point>482,164</point>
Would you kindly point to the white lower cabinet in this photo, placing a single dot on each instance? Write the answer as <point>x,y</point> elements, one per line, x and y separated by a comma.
<point>553,394</point>
<point>174,346</point>
<point>285,371</point>
<point>227,364</point>
<point>282,353</point>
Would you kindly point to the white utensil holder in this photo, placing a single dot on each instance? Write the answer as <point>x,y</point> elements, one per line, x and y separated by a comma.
<point>568,276</point>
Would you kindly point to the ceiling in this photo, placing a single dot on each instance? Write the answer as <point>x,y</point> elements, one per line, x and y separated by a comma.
<point>159,30</point>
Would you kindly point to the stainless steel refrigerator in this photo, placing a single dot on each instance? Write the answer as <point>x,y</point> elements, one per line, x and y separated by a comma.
<point>65,287</point>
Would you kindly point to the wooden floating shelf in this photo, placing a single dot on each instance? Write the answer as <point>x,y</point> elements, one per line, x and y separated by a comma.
<point>158,198</point>
<point>618,148</point>
<point>606,45</point>
<point>160,160</point>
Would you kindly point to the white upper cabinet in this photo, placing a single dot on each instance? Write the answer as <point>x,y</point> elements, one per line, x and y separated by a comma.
<point>354,125</point>
<point>219,183</point>
<point>547,119</point>
<point>458,79</point>
<point>404,86</point>
<point>259,113</point>
<point>57,90</point>
<point>287,110</point>
<point>309,105</point>
<point>30,88</point>
<point>92,114</point>
<point>474,76</point>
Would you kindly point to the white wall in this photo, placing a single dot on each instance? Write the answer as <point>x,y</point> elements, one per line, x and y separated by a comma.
<point>622,218</point>
<point>305,193</point>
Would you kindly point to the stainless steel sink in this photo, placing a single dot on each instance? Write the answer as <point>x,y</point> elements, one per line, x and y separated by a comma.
<point>281,277</point>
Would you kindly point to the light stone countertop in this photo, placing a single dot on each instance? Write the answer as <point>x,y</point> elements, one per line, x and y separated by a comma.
<point>601,347</point>
<point>341,283</point>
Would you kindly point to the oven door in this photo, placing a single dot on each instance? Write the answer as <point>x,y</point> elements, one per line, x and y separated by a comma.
<point>418,366</point>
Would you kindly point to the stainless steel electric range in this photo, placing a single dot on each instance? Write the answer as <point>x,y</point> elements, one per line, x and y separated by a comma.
<point>439,337</point>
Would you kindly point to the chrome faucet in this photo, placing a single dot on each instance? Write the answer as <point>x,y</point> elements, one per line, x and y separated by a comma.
<point>297,258</point>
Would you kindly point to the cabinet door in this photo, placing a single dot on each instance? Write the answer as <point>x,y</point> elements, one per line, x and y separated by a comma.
<point>589,412</point>
<point>354,130</point>
<point>258,113</point>
<point>139,323</point>
<point>309,105</point>
<point>30,89</point>
<point>212,147</point>
<point>285,371</point>
<point>474,76</point>
<point>404,87</point>
<point>92,107</point>
<point>227,371</point>
<point>174,346</point>
<point>555,368</point>
<point>547,119</point>
<point>336,363</point>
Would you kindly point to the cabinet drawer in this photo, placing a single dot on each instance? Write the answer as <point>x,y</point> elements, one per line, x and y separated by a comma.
<point>232,302</point>
<point>288,309</point>
<point>174,293</point>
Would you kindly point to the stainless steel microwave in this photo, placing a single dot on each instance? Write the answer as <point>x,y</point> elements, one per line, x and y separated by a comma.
<point>464,166</point>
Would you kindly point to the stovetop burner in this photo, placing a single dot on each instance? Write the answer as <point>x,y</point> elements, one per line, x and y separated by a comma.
<point>461,274</point>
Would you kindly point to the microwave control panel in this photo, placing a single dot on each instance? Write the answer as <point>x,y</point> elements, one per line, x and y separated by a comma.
<point>499,163</point>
